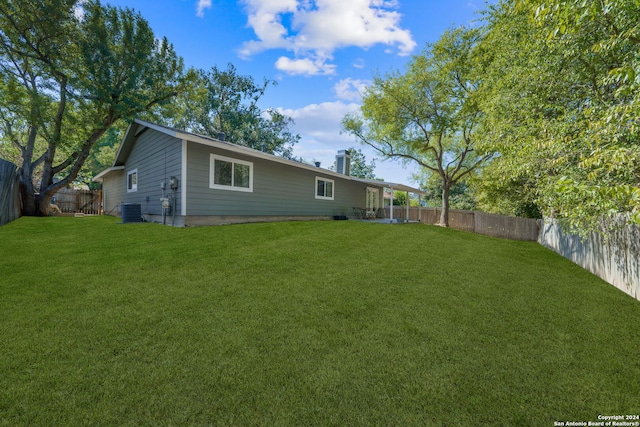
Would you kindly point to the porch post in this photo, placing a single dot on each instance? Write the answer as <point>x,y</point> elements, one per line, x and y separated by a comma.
<point>407,199</point>
<point>419,208</point>
<point>391,205</point>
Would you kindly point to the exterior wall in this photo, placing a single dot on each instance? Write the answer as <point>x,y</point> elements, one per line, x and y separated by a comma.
<point>278,190</point>
<point>113,188</point>
<point>157,157</point>
<point>196,221</point>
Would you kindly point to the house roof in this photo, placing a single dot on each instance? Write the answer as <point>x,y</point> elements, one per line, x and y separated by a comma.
<point>98,178</point>
<point>137,127</point>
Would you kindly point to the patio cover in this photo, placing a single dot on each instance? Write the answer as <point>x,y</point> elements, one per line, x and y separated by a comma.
<point>394,186</point>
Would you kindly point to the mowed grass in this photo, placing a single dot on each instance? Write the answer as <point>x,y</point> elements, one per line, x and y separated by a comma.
<point>304,323</point>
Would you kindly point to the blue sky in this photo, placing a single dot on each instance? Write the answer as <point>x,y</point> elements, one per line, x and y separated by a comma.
<point>321,53</point>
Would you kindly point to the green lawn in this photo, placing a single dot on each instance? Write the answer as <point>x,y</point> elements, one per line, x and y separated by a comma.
<point>304,323</point>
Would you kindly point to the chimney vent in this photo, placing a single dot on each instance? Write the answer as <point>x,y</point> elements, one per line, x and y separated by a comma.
<point>343,162</point>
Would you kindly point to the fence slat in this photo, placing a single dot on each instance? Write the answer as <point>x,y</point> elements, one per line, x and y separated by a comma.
<point>10,203</point>
<point>616,260</point>
<point>70,200</point>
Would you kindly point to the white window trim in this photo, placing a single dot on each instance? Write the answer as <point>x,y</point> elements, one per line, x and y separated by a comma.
<point>213,158</point>
<point>133,188</point>
<point>333,187</point>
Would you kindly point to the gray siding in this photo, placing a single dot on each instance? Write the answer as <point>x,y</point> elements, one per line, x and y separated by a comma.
<point>113,188</point>
<point>278,189</point>
<point>157,157</point>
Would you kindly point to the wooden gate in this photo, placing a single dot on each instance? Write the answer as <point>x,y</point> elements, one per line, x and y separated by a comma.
<point>70,200</point>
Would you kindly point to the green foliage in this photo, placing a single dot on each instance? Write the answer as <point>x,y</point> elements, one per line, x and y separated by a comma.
<point>102,154</point>
<point>67,77</point>
<point>561,102</point>
<point>304,323</point>
<point>224,101</point>
<point>399,198</point>
<point>461,195</point>
<point>429,114</point>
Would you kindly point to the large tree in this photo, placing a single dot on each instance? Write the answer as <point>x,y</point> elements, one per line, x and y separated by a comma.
<point>226,102</point>
<point>68,71</point>
<point>561,99</point>
<point>460,195</point>
<point>428,115</point>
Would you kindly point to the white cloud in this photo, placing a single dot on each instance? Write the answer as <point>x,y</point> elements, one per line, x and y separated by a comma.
<point>319,128</point>
<point>265,17</point>
<point>359,63</point>
<point>202,5</point>
<point>350,89</point>
<point>316,28</point>
<point>304,66</point>
<point>78,10</point>
<point>320,120</point>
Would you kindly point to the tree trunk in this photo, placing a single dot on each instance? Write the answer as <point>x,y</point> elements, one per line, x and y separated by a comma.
<point>44,201</point>
<point>444,214</point>
<point>28,195</point>
<point>34,204</point>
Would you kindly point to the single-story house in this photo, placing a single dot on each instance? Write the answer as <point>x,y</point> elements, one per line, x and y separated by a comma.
<point>184,179</point>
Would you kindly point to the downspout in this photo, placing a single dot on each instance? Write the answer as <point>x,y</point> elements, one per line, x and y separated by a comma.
<point>164,210</point>
<point>173,211</point>
<point>173,183</point>
<point>391,205</point>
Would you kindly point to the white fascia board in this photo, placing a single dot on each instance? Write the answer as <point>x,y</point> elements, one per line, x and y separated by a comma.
<point>101,175</point>
<point>163,129</point>
<point>391,185</point>
<point>122,143</point>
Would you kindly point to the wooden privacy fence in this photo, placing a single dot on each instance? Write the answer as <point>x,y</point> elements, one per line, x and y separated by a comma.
<point>505,227</point>
<point>70,200</point>
<point>10,203</point>
<point>615,260</point>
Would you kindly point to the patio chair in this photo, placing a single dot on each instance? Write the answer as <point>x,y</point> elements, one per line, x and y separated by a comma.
<point>359,213</point>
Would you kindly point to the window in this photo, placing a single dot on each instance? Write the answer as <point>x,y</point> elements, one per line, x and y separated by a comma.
<point>230,174</point>
<point>324,188</point>
<point>132,180</point>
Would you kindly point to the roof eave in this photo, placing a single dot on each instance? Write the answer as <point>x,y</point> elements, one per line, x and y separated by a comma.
<point>391,185</point>
<point>224,145</point>
<point>132,133</point>
<point>101,175</point>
